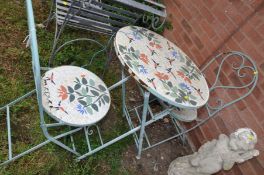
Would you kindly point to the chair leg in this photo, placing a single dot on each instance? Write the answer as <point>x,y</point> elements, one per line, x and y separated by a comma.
<point>143,123</point>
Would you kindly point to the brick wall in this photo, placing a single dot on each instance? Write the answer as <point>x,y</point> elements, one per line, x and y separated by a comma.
<point>202,28</point>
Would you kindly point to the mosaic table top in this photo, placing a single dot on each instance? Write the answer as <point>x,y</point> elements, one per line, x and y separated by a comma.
<point>74,96</point>
<point>161,67</point>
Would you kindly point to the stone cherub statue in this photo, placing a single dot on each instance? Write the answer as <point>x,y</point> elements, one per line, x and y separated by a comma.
<point>217,154</point>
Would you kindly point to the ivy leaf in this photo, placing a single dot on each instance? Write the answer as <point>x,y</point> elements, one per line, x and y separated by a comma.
<point>100,103</point>
<point>77,79</point>
<point>89,100</point>
<point>91,82</point>
<point>174,89</point>
<point>192,97</point>
<point>72,97</point>
<point>94,92</point>
<point>103,101</point>
<point>84,92</point>
<point>84,81</point>
<point>193,102</point>
<point>166,86</point>
<point>169,84</point>
<point>122,48</point>
<point>95,107</point>
<point>89,110</point>
<point>132,49</point>
<point>102,88</point>
<point>178,100</point>
<point>77,86</point>
<point>127,57</point>
<point>106,98</point>
<point>82,102</point>
<point>70,89</point>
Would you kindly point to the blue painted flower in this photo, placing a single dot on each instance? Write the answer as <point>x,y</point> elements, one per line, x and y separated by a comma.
<point>174,54</point>
<point>142,69</point>
<point>185,86</point>
<point>81,109</point>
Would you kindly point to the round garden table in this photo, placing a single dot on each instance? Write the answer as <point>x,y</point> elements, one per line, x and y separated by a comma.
<point>162,69</point>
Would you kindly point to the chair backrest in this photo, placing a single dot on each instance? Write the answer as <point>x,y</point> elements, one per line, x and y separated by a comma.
<point>105,16</point>
<point>35,56</point>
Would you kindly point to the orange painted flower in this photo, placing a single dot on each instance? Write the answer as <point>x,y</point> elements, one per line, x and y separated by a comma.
<point>162,76</point>
<point>152,44</point>
<point>143,57</point>
<point>158,46</point>
<point>63,93</point>
<point>181,74</point>
<point>187,80</point>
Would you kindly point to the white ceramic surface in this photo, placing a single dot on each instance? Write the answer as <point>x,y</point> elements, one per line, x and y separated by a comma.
<point>74,96</point>
<point>161,67</point>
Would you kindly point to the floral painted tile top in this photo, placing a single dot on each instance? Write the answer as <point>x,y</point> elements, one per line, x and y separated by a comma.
<point>74,96</point>
<point>161,67</point>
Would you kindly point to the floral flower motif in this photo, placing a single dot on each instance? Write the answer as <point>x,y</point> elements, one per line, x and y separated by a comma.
<point>162,76</point>
<point>153,44</point>
<point>142,69</point>
<point>143,57</point>
<point>81,109</point>
<point>181,74</point>
<point>184,77</point>
<point>187,80</point>
<point>185,86</point>
<point>82,75</point>
<point>158,46</point>
<point>174,54</point>
<point>63,93</point>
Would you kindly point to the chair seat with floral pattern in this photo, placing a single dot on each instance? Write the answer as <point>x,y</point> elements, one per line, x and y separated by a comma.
<point>74,96</point>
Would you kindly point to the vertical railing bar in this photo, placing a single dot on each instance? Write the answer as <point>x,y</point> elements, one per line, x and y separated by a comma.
<point>100,136</point>
<point>178,129</point>
<point>131,125</point>
<point>9,133</point>
<point>87,138</point>
<point>145,133</point>
<point>72,141</point>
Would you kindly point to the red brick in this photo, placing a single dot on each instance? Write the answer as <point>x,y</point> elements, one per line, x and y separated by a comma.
<point>186,26</point>
<point>246,168</point>
<point>219,14</point>
<point>207,28</point>
<point>239,36</point>
<point>197,41</point>
<point>187,39</point>
<point>207,14</point>
<point>185,12</point>
<point>255,37</point>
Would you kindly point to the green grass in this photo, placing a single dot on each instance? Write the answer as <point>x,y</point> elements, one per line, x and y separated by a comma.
<point>16,79</point>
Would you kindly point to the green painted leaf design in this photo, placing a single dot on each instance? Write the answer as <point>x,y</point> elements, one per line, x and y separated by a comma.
<point>77,86</point>
<point>103,101</point>
<point>84,81</point>
<point>192,97</point>
<point>122,48</point>
<point>70,89</point>
<point>95,107</point>
<point>82,102</point>
<point>132,49</point>
<point>169,84</point>
<point>102,88</point>
<point>106,98</point>
<point>84,92</point>
<point>94,92</point>
<point>127,57</point>
<point>178,100</point>
<point>91,82</point>
<point>174,95</point>
<point>174,89</point>
<point>89,110</point>
<point>166,86</point>
<point>72,97</point>
<point>193,102</point>
<point>89,100</point>
<point>100,103</point>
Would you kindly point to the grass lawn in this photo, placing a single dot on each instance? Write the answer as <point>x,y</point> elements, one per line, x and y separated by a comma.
<point>16,79</point>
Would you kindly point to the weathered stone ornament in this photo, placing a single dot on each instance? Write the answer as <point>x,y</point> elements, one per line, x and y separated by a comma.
<point>218,154</point>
